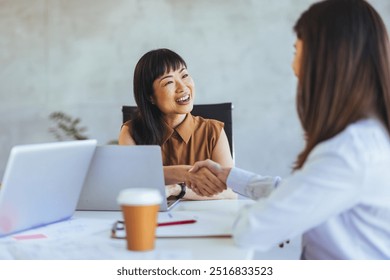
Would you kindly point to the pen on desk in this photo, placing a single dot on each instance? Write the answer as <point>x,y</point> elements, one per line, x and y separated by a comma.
<point>183,222</point>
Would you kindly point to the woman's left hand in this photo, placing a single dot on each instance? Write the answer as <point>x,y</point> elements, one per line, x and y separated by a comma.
<point>173,189</point>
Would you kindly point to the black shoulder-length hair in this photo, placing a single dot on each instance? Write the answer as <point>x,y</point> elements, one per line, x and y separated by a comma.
<point>148,127</point>
<point>345,69</point>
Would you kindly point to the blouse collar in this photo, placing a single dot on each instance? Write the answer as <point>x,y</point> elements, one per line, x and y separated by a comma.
<point>184,130</point>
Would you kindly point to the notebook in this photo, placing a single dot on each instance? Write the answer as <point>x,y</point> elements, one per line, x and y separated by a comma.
<point>42,184</point>
<point>114,168</point>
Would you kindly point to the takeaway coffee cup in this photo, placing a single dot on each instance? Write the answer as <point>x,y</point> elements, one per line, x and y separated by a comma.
<point>140,209</point>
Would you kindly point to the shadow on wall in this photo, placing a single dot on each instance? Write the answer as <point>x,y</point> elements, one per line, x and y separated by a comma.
<point>68,128</point>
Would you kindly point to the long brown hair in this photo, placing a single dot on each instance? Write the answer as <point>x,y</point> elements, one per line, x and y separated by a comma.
<point>345,73</point>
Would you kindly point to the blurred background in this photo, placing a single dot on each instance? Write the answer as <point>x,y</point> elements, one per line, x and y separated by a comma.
<point>77,57</point>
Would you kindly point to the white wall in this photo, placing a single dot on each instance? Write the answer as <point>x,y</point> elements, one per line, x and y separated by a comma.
<point>78,56</point>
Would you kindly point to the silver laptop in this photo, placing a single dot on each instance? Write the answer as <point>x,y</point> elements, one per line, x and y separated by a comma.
<point>42,183</point>
<point>115,168</point>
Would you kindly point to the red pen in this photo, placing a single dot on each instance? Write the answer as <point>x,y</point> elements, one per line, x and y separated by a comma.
<point>183,222</point>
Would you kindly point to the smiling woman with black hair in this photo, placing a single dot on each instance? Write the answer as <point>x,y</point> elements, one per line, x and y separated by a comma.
<point>164,92</point>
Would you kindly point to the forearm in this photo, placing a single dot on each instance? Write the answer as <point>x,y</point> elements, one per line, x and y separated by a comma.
<point>174,174</point>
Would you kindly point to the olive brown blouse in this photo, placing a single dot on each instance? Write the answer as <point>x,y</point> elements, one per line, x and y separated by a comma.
<point>191,141</point>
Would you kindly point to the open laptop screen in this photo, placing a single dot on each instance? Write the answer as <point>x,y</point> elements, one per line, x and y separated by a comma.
<point>115,168</point>
<point>42,183</point>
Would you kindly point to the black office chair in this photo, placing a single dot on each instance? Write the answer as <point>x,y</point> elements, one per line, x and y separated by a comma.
<point>219,111</point>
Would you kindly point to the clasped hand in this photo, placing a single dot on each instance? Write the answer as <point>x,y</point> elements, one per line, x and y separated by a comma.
<point>207,178</point>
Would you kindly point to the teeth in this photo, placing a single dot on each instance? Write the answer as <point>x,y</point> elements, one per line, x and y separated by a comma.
<point>184,98</point>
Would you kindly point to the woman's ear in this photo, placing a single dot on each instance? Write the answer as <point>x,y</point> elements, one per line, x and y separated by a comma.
<point>152,100</point>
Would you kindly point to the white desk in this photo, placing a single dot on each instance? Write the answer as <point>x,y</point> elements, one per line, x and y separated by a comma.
<point>87,236</point>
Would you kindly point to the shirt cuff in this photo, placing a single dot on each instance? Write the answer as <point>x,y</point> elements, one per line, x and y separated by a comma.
<point>250,184</point>
<point>238,179</point>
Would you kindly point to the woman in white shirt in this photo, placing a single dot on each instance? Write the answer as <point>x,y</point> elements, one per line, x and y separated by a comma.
<point>338,196</point>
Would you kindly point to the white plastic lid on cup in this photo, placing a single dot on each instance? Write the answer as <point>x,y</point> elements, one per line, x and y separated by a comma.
<point>139,196</point>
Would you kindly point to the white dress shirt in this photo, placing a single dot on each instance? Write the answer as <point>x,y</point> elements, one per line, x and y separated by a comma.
<point>339,200</point>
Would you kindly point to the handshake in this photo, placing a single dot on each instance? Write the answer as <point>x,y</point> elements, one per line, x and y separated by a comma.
<point>207,178</point>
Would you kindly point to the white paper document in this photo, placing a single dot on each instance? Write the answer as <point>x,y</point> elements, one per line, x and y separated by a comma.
<point>77,239</point>
<point>207,224</point>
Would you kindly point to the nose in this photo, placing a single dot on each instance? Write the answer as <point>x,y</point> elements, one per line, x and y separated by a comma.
<point>180,86</point>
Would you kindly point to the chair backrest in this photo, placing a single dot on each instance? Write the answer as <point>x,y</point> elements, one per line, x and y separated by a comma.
<point>219,111</point>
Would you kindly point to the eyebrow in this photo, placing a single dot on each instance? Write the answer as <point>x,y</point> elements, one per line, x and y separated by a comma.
<point>170,76</point>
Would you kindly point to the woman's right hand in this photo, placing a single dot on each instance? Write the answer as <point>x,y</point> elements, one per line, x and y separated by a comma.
<point>203,182</point>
